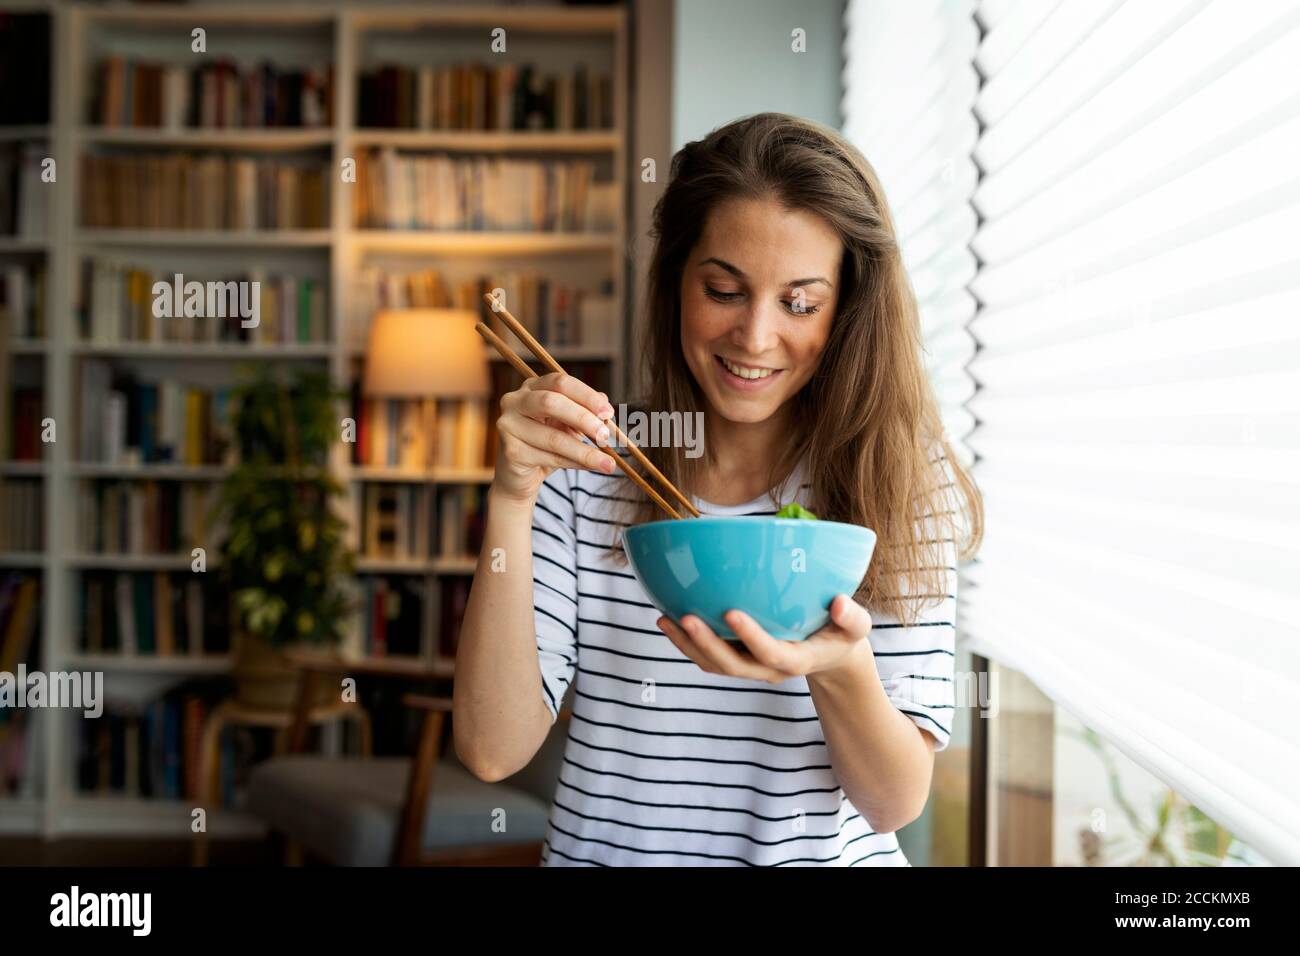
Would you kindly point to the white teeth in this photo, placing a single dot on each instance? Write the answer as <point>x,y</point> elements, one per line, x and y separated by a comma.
<point>746,372</point>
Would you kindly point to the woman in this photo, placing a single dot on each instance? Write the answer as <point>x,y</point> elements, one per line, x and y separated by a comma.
<point>780,309</point>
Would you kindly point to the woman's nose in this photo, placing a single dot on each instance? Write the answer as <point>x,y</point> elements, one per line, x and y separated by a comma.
<point>755,332</point>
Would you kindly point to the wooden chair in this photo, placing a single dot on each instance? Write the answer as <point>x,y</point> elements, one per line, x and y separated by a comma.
<point>426,810</point>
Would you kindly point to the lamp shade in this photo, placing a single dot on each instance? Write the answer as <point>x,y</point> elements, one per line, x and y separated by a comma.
<point>425,353</point>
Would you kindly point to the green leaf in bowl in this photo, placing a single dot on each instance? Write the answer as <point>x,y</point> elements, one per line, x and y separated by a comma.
<point>795,510</point>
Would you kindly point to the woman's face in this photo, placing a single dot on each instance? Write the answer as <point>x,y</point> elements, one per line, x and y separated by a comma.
<point>758,295</point>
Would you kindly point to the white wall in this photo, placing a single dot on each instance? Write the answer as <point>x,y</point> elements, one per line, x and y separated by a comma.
<point>733,57</point>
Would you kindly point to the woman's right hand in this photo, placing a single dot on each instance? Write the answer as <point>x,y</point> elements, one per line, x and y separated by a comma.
<point>540,429</point>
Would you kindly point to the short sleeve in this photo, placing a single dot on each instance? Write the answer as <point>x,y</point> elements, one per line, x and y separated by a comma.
<point>916,663</point>
<point>555,587</point>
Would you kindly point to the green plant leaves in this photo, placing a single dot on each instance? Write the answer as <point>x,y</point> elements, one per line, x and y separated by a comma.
<point>795,510</point>
<point>285,553</point>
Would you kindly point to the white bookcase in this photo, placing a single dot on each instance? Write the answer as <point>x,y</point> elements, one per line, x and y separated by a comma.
<point>354,38</point>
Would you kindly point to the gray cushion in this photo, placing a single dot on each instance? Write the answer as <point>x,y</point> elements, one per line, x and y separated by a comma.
<point>346,809</point>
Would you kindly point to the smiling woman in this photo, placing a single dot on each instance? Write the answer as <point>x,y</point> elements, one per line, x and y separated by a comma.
<point>780,311</point>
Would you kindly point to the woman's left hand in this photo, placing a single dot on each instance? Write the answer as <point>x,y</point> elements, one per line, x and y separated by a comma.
<point>840,643</point>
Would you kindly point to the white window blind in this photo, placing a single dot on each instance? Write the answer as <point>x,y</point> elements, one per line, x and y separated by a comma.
<point>909,92</point>
<point>1139,373</point>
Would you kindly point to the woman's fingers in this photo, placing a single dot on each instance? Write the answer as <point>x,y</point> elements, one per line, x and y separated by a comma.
<point>682,641</point>
<point>571,401</point>
<point>850,616</point>
<point>769,659</point>
<point>532,444</point>
<point>767,650</point>
<point>723,656</point>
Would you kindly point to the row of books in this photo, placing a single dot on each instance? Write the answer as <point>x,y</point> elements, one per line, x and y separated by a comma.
<point>480,193</point>
<point>410,434</point>
<point>474,96</point>
<point>17,779</point>
<point>23,441</point>
<point>117,303</point>
<point>392,614</point>
<point>195,191</point>
<point>399,521</point>
<point>125,421</point>
<point>214,94</point>
<point>24,68</point>
<point>154,613</point>
<point>555,313</point>
<point>393,609</point>
<point>22,299</point>
<point>21,515</point>
<point>24,198</point>
<point>153,751</point>
<point>146,517</point>
<point>451,612</point>
<point>20,613</point>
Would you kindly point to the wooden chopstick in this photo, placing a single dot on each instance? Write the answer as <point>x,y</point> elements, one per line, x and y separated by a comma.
<point>522,368</point>
<point>544,357</point>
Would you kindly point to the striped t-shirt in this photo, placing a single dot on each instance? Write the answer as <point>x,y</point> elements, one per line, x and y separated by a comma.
<point>668,765</point>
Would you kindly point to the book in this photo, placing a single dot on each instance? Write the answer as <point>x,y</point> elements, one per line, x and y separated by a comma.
<point>443,192</point>
<point>218,94</point>
<point>194,191</point>
<point>116,303</point>
<point>149,613</point>
<point>124,421</point>
<point>475,96</point>
<point>22,514</point>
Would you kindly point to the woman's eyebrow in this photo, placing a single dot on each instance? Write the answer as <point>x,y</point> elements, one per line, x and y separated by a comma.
<point>741,275</point>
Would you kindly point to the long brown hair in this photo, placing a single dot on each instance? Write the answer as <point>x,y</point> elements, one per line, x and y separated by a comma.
<point>867,420</point>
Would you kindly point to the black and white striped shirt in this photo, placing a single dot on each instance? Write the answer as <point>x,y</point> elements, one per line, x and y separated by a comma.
<point>668,765</point>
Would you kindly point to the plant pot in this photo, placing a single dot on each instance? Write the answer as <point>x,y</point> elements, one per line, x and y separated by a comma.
<point>266,680</point>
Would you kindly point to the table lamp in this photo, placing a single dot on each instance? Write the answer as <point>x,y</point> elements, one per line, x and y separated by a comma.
<point>425,355</point>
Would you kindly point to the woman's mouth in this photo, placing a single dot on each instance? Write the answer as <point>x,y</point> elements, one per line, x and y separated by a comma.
<point>746,377</point>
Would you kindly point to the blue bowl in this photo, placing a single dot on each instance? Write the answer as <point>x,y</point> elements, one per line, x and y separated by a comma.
<point>782,572</point>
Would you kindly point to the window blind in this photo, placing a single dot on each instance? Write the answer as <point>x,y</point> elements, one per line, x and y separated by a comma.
<point>1138,433</point>
<point>909,91</point>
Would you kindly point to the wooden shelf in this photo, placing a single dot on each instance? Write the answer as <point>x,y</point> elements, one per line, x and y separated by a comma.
<point>27,346</point>
<point>489,141</point>
<point>549,19</point>
<point>22,469</point>
<point>153,664</point>
<point>22,559</point>
<point>436,476</point>
<point>461,565</point>
<point>17,134</point>
<point>146,15</point>
<point>242,238</point>
<point>162,470</point>
<point>134,562</point>
<point>269,139</point>
<point>112,814</point>
<point>23,243</point>
<point>217,351</point>
<point>467,243</point>
<point>19,815</point>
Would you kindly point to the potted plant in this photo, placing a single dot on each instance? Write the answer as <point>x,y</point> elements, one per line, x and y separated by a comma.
<point>284,555</point>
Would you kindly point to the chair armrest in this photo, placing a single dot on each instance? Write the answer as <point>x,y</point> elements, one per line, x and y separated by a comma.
<point>315,662</point>
<point>424,702</point>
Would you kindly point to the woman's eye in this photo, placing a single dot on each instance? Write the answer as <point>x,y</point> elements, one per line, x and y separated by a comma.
<point>719,295</point>
<point>802,309</point>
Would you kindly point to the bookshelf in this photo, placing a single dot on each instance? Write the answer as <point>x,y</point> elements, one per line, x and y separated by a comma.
<point>28,245</point>
<point>352,41</point>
